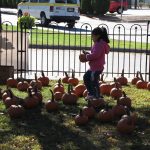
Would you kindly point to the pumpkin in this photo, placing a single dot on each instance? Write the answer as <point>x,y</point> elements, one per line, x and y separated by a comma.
<point>70,97</point>
<point>72,80</point>
<point>36,92</point>
<point>16,111</point>
<point>85,93</point>
<point>65,79</point>
<point>36,83</point>
<point>11,82</point>
<point>51,104</point>
<point>5,94</point>
<point>118,111</point>
<point>10,100</point>
<point>44,80</point>
<point>58,95</point>
<point>105,89</point>
<point>88,110</point>
<point>79,89</point>
<point>1,93</point>
<point>31,101</point>
<point>59,87</point>
<point>114,83</point>
<point>82,57</point>
<point>126,124</point>
<point>97,102</point>
<point>124,100</point>
<point>136,78</point>
<point>141,84</point>
<point>81,119</point>
<point>122,80</point>
<point>22,85</point>
<point>148,85</point>
<point>106,114</point>
<point>116,92</point>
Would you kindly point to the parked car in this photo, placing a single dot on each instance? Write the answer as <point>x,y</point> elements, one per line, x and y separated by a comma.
<point>118,6</point>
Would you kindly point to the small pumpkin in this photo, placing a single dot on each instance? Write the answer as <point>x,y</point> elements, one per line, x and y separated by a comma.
<point>79,89</point>
<point>31,101</point>
<point>141,84</point>
<point>81,119</point>
<point>22,85</point>
<point>116,92</point>
<point>51,104</point>
<point>97,102</point>
<point>106,114</point>
<point>118,111</point>
<point>10,100</point>
<point>58,96</point>
<point>72,80</point>
<point>136,78</point>
<point>44,79</point>
<point>126,124</point>
<point>11,82</point>
<point>36,82</point>
<point>124,100</point>
<point>59,87</point>
<point>122,79</point>
<point>69,97</point>
<point>88,110</point>
<point>65,79</point>
<point>16,111</point>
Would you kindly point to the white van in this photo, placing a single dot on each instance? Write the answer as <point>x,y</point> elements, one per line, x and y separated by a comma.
<point>51,10</point>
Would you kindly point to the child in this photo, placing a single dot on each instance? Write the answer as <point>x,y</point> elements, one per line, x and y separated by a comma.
<point>96,61</point>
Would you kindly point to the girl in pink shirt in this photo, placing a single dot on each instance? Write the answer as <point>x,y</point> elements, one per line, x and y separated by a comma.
<point>96,61</point>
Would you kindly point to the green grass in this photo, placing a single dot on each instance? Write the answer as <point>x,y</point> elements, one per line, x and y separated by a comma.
<point>40,130</point>
<point>55,38</point>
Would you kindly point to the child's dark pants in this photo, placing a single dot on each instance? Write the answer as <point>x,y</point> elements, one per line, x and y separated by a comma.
<point>91,81</point>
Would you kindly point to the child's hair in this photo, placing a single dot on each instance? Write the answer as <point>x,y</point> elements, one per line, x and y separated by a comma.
<point>102,32</point>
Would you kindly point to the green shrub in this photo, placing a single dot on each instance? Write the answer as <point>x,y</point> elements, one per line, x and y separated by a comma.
<point>86,6</point>
<point>100,7</point>
<point>26,21</point>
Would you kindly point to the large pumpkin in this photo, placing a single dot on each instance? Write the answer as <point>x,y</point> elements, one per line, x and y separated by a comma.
<point>105,89</point>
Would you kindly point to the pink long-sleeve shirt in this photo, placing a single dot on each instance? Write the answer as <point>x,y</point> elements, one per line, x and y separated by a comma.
<point>97,56</point>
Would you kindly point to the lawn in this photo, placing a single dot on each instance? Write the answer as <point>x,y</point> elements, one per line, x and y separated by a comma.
<point>57,38</point>
<point>40,130</point>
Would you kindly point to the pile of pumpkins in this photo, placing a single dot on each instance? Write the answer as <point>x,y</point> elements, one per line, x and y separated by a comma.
<point>16,106</point>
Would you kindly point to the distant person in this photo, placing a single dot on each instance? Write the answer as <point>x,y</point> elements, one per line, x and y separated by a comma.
<point>96,61</point>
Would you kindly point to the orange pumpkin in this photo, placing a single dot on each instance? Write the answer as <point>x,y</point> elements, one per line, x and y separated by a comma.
<point>36,83</point>
<point>97,102</point>
<point>122,80</point>
<point>16,111</point>
<point>105,88</point>
<point>44,80</point>
<point>136,78</point>
<point>72,80</point>
<point>81,119</point>
<point>148,85</point>
<point>116,92</point>
<point>58,95</point>
<point>22,85</point>
<point>141,84</point>
<point>11,82</point>
<point>65,79</point>
<point>59,87</point>
<point>79,89</point>
<point>51,104</point>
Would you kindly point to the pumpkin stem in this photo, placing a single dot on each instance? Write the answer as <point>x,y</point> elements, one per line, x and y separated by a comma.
<point>124,94</point>
<point>66,74</point>
<point>52,95</point>
<point>43,75</point>
<point>11,93</point>
<point>73,74</point>
<point>35,75</point>
<point>80,112</point>
<point>137,74</point>
<point>127,110</point>
<point>122,74</point>
<point>59,82</point>
<point>141,76</point>
<point>102,78</point>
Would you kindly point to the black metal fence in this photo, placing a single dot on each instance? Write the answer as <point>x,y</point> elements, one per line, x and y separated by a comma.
<point>56,49</point>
